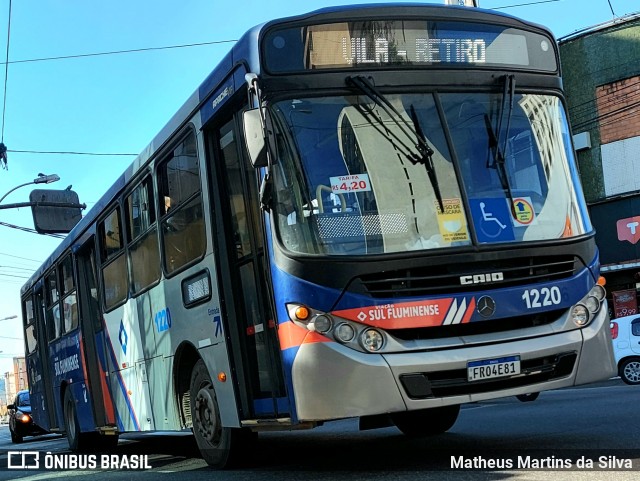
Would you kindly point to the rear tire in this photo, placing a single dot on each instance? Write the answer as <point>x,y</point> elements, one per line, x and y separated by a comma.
<point>426,422</point>
<point>78,441</point>
<point>630,371</point>
<point>218,445</point>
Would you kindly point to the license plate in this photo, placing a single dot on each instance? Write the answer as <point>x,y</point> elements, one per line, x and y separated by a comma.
<point>492,368</point>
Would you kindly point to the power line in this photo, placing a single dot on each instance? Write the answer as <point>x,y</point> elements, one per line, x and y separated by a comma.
<point>525,4</point>
<point>117,52</point>
<point>2,274</point>
<point>18,257</point>
<point>32,231</point>
<point>19,268</point>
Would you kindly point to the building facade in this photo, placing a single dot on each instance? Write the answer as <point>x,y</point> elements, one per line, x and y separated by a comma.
<point>601,69</point>
<point>15,380</point>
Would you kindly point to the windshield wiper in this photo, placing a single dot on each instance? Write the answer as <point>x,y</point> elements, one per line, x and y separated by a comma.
<point>500,151</point>
<point>426,157</point>
<point>424,154</point>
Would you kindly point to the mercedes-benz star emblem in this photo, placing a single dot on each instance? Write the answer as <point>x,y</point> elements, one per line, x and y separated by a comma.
<point>486,306</point>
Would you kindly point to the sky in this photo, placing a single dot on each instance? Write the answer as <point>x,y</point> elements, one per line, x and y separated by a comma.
<point>117,103</point>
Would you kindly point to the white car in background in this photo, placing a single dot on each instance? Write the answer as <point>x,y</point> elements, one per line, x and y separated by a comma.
<point>625,332</point>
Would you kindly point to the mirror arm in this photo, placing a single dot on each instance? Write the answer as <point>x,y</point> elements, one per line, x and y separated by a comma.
<point>255,99</point>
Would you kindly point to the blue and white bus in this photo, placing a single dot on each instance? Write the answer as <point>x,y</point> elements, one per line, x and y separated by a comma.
<point>369,211</point>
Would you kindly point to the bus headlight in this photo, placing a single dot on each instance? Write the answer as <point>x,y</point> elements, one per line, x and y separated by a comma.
<point>322,323</point>
<point>580,315</point>
<point>371,340</point>
<point>592,304</point>
<point>354,335</point>
<point>589,306</point>
<point>598,292</point>
<point>344,332</point>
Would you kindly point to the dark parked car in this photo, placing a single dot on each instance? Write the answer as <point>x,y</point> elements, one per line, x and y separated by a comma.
<point>20,421</point>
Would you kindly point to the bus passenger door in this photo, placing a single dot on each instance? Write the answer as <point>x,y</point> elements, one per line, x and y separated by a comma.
<point>93,337</point>
<point>239,234</point>
<point>47,404</point>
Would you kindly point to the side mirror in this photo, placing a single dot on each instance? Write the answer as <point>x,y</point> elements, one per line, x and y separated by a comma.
<point>11,406</point>
<point>254,138</point>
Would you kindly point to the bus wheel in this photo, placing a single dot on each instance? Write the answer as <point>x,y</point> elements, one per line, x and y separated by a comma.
<point>426,422</point>
<point>214,441</point>
<point>71,422</point>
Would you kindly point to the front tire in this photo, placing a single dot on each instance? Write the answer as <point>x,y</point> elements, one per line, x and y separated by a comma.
<point>216,443</point>
<point>630,371</point>
<point>426,422</point>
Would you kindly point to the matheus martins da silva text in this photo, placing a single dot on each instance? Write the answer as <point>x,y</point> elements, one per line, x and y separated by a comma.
<point>548,462</point>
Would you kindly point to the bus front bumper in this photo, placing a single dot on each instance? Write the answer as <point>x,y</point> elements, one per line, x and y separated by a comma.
<point>332,381</point>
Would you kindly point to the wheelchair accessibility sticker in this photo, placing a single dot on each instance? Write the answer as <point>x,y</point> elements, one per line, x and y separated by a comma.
<point>492,219</point>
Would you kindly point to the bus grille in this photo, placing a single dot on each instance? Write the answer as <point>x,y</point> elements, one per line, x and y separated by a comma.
<point>474,328</point>
<point>439,384</point>
<point>445,279</point>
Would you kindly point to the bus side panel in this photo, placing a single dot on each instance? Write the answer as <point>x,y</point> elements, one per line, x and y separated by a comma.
<point>123,345</point>
<point>84,410</point>
<point>163,403</point>
<point>153,320</point>
<point>66,359</point>
<point>37,390</point>
<point>105,361</point>
<point>201,325</point>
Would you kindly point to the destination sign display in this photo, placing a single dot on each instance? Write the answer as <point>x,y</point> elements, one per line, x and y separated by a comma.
<point>392,44</point>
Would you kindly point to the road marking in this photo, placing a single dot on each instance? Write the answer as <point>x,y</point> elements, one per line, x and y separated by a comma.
<point>57,474</point>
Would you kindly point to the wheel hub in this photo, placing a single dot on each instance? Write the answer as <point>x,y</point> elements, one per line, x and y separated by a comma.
<point>206,416</point>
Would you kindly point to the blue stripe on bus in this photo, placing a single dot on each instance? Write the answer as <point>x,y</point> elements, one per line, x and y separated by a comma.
<point>265,406</point>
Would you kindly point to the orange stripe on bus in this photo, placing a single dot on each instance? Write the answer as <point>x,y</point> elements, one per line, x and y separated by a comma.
<point>292,335</point>
<point>470,309</point>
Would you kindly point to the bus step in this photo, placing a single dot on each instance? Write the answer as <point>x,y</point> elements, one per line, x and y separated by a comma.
<point>275,424</point>
<point>108,430</point>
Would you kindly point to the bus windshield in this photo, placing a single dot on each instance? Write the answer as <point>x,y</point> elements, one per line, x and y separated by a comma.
<point>370,173</point>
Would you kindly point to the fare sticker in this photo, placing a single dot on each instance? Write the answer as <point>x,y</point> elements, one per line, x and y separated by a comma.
<point>344,184</point>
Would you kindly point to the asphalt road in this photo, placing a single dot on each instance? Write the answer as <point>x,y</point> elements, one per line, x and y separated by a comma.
<point>553,437</point>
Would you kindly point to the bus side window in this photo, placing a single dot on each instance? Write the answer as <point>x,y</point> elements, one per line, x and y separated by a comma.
<point>30,326</point>
<point>114,262</point>
<point>144,252</point>
<point>182,223</point>
<point>52,312</point>
<point>69,299</point>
